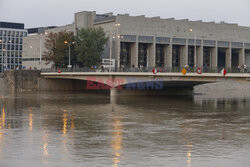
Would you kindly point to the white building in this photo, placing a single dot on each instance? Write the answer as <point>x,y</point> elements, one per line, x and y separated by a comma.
<point>168,43</point>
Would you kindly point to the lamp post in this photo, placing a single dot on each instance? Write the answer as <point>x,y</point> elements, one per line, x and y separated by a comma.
<point>40,49</point>
<point>68,43</point>
<point>195,57</point>
<point>117,25</point>
<point>4,60</point>
<point>2,54</point>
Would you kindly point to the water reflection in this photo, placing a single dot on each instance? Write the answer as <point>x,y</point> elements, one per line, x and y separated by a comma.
<point>45,158</point>
<point>116,142</point>
<point>2,126</point>
<point>30,119</point>
<point>65,121</point>
<point>189,154</point>
<point>222,103</point>
<point>130,131</point>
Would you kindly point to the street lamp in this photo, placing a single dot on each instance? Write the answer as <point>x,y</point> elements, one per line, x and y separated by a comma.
<point>4,58</point>
<point>117,25</point>
<point>66,42</point>
<point>195,57</point>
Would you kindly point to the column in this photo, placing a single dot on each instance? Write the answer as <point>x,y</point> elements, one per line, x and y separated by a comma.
<point>168,49</point>
<point>242,56</point>
<point>214,58</point>
<point>151,54</point>
<point>229,57</point>
<point>183,55</point>
<point>134,53</point>
<point>199,56</point>
<point>117,52</point>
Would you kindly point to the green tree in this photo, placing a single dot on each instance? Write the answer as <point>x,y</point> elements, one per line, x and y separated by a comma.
<point>58,50</point>
<point>90,46</point>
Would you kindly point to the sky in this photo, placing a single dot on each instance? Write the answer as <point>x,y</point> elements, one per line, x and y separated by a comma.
<point>41,13</point>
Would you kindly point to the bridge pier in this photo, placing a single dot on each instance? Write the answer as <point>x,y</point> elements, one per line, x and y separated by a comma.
<point>162,92</point>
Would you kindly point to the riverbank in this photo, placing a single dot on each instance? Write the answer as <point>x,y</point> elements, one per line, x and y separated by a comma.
<point>226,89</point>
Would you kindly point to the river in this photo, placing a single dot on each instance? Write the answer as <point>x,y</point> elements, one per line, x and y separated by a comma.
<point>67,129</point>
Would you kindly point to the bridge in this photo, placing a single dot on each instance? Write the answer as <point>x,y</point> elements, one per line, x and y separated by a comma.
<point>140,83</point>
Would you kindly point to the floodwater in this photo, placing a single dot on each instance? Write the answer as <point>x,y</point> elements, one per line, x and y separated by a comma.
<point>67,129</point>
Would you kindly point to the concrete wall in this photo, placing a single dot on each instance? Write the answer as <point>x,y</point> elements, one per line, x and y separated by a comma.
<point>84,20</point>
<point>67,28</point>
<point>61,85</point>
<point>142,25</point>
<point>33,48</point>
<point>3,85</point>
<point>22,80</point>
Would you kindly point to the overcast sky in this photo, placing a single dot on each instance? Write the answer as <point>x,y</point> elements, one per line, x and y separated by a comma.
<point>36,13</point>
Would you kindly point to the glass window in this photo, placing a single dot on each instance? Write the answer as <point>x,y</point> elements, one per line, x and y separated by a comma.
<point>17,34</point>
<point>21,34</point>
<point>1,32</point>
<point>4,33</point>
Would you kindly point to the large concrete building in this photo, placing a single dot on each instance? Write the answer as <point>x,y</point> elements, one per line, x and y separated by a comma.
<point>11,45</point>
<point>140,41</point>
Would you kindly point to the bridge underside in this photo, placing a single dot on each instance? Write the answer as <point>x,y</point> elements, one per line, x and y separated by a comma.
<point>136,88</point>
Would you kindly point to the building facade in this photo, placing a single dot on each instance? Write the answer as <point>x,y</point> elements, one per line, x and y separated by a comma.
<point>138,41</point>
<point>11,45</point>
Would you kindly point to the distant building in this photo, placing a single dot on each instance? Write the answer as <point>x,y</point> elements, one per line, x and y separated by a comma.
<point>11,45</point>
<point>148,42</point>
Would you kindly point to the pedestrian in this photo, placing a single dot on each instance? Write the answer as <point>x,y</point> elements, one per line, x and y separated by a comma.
<point>239,68</point>
<point>102,68</point>
<point>122,68</point>
<point>245,68</point>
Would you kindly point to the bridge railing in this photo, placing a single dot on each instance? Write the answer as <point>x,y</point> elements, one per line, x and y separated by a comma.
<point>149,69</point>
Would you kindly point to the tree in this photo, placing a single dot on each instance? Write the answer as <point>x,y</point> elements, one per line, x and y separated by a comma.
<point>58,51</point>
<point>90,46</point>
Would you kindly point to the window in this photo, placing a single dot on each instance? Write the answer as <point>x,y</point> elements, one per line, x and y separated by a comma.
<point>12,33</point>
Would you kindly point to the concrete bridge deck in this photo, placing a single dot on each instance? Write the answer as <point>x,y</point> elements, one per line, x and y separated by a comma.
<point>205,77</point>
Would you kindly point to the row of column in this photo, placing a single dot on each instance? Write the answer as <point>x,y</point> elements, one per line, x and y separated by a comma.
<point>168,54</point>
